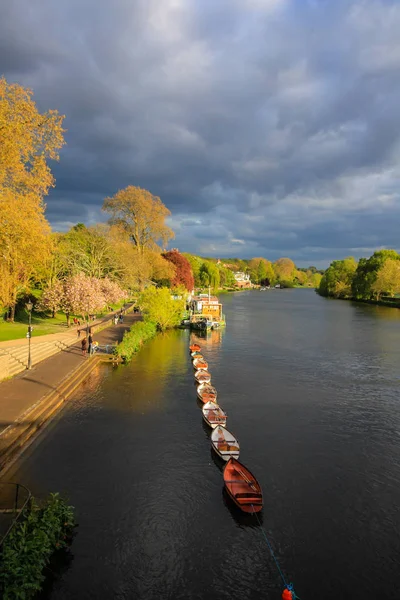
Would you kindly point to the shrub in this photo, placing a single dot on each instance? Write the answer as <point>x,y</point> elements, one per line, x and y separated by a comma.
<point>134,338</point>
<point>28,548</point>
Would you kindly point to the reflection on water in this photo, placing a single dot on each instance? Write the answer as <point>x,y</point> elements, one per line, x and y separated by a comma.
<point>310,387</point>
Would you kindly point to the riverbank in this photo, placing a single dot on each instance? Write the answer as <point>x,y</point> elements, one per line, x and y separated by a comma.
<point>31,398</point>
<point>388,303</point>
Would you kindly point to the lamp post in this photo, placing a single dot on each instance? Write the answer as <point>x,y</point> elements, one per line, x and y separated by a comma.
<point>29,307</point>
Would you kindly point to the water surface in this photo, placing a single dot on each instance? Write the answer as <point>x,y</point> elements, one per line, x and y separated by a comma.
<point>311,388</point>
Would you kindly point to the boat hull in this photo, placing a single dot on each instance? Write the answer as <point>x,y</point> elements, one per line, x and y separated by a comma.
<point>242,487</point>
<point>227,447</point>
<point>200,364</point>
<point>194,348</point>
<point>206,393</point>
<point>213,415</point>
<point>202,376</point>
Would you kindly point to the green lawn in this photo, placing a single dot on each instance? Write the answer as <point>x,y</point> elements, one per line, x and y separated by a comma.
<point>41,325</point>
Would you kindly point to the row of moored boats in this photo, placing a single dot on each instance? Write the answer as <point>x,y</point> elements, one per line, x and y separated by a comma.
<point>240,484</point>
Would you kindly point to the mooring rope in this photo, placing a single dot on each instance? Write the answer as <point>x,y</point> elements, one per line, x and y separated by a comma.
<point>288,586</point>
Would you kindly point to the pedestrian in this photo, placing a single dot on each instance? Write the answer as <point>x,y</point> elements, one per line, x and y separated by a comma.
<point>115,319</point>
<point>90,340</point>
<point>83,346</point>
<point>79,333</point>
<point>121,318</point>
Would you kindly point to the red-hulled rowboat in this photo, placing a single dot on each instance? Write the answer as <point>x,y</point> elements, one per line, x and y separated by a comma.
<point>194,348</point>
<point>242,487</point>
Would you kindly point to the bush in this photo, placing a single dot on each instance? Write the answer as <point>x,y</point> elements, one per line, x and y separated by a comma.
<point>134,338</point>
<point>28,548</point>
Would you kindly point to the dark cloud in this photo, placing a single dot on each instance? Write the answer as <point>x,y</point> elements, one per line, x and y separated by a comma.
<point>268,127</point>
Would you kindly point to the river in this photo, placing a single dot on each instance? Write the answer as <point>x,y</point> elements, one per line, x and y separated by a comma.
<point>311,388</point>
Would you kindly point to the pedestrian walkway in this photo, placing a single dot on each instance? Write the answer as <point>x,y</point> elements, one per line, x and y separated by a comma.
<point>14,353</point>
<point>19,394</point>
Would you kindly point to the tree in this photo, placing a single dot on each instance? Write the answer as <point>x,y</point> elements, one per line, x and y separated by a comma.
<point>52,298</point>
<point>142,215</point>
<point>388,279</point>
<point>25,245</point>
<point>82,295</point>
<point>27,140</point>
<point>183,275</point>
<point>111,291</point>
<point>300,276</point>
<point>337,279</point>
<point>367,272</point>
<point>158,305</point>
<point>195,263</point>
<point>226,277</point>
<point>284,269</point>
<point>209,275</point>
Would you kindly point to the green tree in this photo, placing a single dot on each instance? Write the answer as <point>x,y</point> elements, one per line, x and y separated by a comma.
<point>209,275</point>
<point>387,281</point>
<point>337,279</point>
<point>227,278</point>
<point>159,306</point>
<point>367,272</point>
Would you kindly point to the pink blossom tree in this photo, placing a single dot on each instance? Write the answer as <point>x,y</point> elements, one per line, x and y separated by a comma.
<point>52,298</point>
<point>112,291</point>
<point>82,295</point>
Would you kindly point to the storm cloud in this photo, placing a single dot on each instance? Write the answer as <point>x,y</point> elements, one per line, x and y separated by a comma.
<point>268,127</point>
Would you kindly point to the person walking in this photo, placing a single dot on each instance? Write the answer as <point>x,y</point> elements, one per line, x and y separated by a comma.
<point>84,346</point>
<point>90,340</point>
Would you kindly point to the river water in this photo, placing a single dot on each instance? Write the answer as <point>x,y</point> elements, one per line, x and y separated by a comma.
<point>311,388</point>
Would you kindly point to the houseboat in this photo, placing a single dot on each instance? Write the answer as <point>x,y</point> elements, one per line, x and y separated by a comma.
<point>206,312</point>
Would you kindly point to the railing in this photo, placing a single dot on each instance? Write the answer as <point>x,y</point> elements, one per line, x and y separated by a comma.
<point>14,499</point>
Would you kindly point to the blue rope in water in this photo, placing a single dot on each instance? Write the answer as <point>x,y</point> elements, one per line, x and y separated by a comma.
<point>289,586</point>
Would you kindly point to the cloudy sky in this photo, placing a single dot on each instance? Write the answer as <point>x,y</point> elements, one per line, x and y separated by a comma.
<point>268,127</point>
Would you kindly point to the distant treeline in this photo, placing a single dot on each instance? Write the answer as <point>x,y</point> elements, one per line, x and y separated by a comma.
<point>376,278</point>
<point>218,273</point>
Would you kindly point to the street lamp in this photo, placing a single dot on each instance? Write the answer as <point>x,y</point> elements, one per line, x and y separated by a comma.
<point>29,307</point>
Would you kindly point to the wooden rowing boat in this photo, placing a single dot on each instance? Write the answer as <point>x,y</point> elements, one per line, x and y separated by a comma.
<point>202,376</point>
<point>196,354</point>
<point>224,443</point>
<point>213,414</point>
<point>242,487</point>
<point>199,364</point>
<point>194,348</point>
<point>206,393</point>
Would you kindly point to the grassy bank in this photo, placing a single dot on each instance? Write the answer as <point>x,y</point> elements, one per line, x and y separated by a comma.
<point>42,324</point>
<point>135,338</point>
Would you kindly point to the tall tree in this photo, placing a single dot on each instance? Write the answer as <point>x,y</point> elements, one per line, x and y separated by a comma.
<point>142,215</point>
<point>25,245</point>
<point>27,140</point>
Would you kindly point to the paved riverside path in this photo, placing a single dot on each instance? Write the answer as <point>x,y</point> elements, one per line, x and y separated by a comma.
<point>17,395</point>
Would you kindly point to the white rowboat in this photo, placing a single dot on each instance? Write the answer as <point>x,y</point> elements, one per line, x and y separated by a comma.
<point>224,443</point>
<point>213,414</point>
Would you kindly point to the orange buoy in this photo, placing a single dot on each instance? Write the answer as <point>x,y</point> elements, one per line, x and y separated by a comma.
<point>287,594</point>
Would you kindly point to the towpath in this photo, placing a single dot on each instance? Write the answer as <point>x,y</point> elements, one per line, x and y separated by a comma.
<point>24,390</point>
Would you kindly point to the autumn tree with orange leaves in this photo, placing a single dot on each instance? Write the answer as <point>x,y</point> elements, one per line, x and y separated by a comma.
<point>27,140</point>
<point>142,216</point>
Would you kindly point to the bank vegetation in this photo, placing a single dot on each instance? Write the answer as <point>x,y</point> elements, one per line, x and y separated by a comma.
<point>375,279</point>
